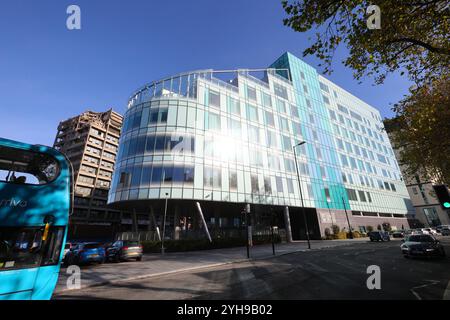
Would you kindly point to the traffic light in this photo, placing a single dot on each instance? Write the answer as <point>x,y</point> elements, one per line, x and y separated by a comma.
<point>443,196</point>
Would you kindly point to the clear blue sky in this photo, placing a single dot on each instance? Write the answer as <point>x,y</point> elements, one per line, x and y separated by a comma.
<point>48,73</point>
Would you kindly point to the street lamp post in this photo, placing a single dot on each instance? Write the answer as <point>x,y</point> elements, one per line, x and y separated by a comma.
<point>164,225</point>
<point>301,195</point>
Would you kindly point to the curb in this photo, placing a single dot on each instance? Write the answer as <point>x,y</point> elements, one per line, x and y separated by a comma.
<point>159,274</point>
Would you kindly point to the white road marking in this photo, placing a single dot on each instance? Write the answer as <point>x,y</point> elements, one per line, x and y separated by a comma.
<point>431,283</point>
<point>447,292</point>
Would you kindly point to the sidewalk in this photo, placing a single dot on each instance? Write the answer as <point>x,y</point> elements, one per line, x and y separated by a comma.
<point>155,264</point>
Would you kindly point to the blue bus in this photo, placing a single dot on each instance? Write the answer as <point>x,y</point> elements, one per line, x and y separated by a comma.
<point>35,204</point>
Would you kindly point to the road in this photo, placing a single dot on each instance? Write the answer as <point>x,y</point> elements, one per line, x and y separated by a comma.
<point>330,273</point>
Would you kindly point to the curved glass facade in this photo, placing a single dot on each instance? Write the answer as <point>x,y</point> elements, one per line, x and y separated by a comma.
<point>228,136</point>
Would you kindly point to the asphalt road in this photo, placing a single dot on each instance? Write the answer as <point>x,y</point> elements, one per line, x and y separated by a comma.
<point>331,273</point>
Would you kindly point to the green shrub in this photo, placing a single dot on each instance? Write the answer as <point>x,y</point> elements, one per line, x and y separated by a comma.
<point>356,234</point>
<point>335,229</point>
<point>341,235</point>
<point>369,228</point>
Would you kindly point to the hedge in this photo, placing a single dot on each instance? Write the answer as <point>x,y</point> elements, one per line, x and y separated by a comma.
<point>344,235</point>
<point>203,244</point>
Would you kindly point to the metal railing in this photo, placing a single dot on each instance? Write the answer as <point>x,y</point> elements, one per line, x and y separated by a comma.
<point>199,234</point>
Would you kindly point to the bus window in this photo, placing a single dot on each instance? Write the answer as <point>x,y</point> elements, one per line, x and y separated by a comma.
<point>27,167</point>
<point>20,248</point>
<point>52,249</point>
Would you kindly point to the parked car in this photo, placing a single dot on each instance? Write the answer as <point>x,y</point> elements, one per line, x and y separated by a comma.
<point>67,247</point>
<point>423,245</point>
<point>426,231</point>
<point>379,236</point>
<point>416,232</point>
<point>85,253</point>
<point>439,228</point>
<point>124,250</point>
<point>445,231</point>
<point>398,234</point>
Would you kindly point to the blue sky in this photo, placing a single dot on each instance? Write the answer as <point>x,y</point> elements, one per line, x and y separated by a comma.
<point>48,73</point>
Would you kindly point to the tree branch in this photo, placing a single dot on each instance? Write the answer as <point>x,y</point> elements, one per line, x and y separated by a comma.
<point>422,44</point>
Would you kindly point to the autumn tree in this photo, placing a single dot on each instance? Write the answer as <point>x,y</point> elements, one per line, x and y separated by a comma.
<point>421,131</point>
<point>414,35</point>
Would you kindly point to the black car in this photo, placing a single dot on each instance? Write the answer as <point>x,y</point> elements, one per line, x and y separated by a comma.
<point>124,250</point>
<point>379,236</point>
<point>422,245</point>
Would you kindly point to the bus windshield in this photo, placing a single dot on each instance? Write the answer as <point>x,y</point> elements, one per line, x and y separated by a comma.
<point>20,248</point>
<point>23,166</point>
<point>25,247</point>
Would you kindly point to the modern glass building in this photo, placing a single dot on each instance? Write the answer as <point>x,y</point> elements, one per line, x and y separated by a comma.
<point>225,139</point>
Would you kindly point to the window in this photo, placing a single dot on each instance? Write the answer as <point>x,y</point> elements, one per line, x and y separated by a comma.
<point>27,167</point>
<point>272,139</point>
<point>233,180</point>
<point>251,93</point>
<point>287,145</point>
<point>344,160</point>
<point>281,106</point>
<point>333,115</point>
<point>234,106</point>
<point>214,98</point>
<point>212,177</point>
<point>234,128</point>
<point>279,183</point>
<point>266,100</point>
<point>324,87</point>
<point>362,196</point>
<point>83,191</point>
<point>305,88</point>
<point>323,172</point>
<point>270,121</point>
<point>296,127</point>
<point>254,183</point>
<point>158,115</point>
<point>252,113</point>
<point>24,247</point>
<point>267,186</point>
<point>290,185</point>
<point>294,111</point>
<point>315,135</point>
<point>351,193</point>
<point>213,121</point>
<point>308,103</point>
<point>325,99</point>
<point>280,91</point>
<point>340,143</point>
<point>86,180</point>
<point>289,165</point>
<point>284,124</point>
<point>327,194</point>
<point>253,134</point>
<point>353,163</point>
<point>342,108</point>
<point>369,197</point>
<point>310,191</point>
